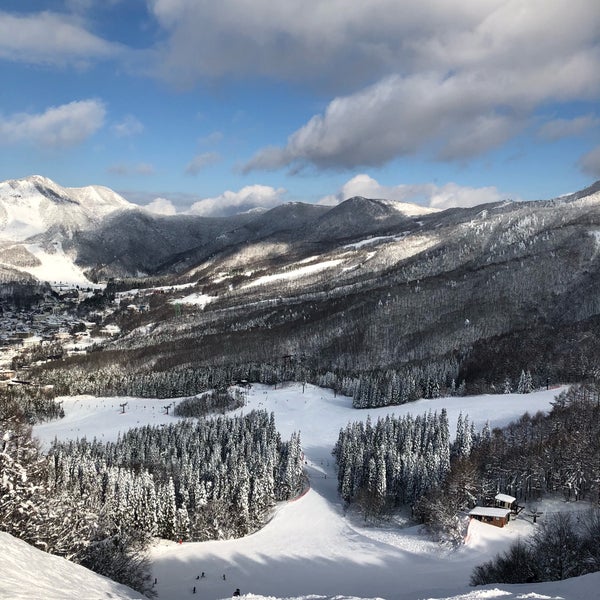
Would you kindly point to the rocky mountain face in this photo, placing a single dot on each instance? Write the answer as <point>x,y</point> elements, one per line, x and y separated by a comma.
<point>478,293</point>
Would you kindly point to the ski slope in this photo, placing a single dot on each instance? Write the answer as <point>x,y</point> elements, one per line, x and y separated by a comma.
<point>310,547</point>
<point>30,574</point>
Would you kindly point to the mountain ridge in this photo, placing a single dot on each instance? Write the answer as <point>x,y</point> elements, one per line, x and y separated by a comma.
<point>105,236</point>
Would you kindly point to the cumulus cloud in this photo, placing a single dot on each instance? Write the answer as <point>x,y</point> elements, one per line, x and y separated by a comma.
<point>57,127</point>
<point>294,40</point>
<point>51,39</point>
<point>450,116</point>
<point>129,126</point>
<point>452,195</point>
<point>590,163</point>
<point>127,170</point>
<point>345,44</point>
<point>561,128</point>
<point>426,194</point>
<point>449,81</point>
<point>161,206</point>
<point>367,187</point>
<point>229,203</point>
<point>200,162</point>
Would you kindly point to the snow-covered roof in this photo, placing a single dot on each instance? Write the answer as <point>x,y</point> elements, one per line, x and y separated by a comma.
<point>505,498</point>
<point>489,511</point>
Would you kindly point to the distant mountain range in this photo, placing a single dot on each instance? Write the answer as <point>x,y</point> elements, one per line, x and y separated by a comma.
<point>104,235</point>
<point>369,284</point>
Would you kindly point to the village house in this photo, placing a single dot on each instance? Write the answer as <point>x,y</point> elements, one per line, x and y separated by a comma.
<point>7,374</point>
<point>31,340</point>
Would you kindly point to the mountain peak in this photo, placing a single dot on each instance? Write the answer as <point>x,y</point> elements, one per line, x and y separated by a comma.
<point>35,205</point>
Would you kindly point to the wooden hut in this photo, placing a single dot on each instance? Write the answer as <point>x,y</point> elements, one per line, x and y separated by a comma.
<point>505,501</point>
<point>491,514</point>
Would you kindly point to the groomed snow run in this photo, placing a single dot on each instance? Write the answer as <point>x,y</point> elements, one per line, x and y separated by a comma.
<point>311,549</point>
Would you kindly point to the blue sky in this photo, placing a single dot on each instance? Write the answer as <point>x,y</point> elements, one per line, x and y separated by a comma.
<point>215,107</point>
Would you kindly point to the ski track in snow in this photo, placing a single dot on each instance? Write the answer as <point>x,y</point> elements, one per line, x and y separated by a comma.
<point>311,547</point>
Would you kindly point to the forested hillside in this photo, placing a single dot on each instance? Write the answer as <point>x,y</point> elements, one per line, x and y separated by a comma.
<point>101,504</point>
<point>451,302</point>
<point>412,462</point>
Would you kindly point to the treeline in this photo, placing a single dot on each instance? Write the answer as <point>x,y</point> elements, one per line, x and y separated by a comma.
<point>208,479</point>
<point>33,403</point>
<point>100,504</point>
<point>369,389</point>
<point>565,545</point>
<point>101,374</point>
<point>394,462</point>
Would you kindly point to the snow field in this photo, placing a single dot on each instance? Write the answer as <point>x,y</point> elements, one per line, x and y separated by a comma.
<point>30,574</point>
<point>310,547</point>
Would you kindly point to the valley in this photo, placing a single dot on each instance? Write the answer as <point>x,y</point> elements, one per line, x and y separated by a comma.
<point>312,545</point>
<point>367,316</point>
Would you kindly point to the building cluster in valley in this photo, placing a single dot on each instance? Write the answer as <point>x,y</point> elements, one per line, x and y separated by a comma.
<point>54,320</point>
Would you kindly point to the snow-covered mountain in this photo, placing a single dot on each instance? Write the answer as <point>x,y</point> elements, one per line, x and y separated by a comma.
<point>38,220</point>
<point>477,293</point>
<point>365,284</point>
<point>55,233</point>
<point>37,206</point>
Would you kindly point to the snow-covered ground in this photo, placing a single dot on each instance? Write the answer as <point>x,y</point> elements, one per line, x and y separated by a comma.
<point>294,273</point>
<point>30,574</point>
<point>56,266</point>
<point>310,548</point>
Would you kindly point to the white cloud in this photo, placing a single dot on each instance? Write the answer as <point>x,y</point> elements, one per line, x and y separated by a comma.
<point>337,44</point>
<point>561,128</point>
<point>367,187</point>
<point>426,194</point>
<point>590,163</point>
<point>344,44</point>
<point>452,195</point>
<point>58,127</point>
<point>212,138</point>
<point>229,203</point>
<point>450,116</point>
<point>161,206</point>
<point>128,127</point>
<point>200,162</point>
<point>51,39</point>
<point>446,80</point>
